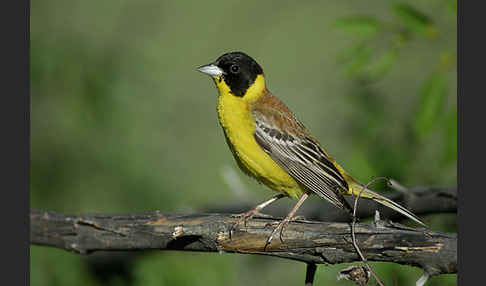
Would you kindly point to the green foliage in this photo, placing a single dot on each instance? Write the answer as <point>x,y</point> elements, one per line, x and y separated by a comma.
<point>372,60</point>
<point>359,26</point>
<point>414,21</point>
<point>382,64</point>
<point>431,105</point>
<point>359,60</point>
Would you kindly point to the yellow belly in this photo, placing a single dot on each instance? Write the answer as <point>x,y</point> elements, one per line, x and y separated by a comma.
<point>238,125</point>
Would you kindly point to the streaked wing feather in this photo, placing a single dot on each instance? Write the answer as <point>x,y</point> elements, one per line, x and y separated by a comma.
<point>302,158</point>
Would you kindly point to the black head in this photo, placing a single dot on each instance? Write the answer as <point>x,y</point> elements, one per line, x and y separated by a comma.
<point>237,69</point>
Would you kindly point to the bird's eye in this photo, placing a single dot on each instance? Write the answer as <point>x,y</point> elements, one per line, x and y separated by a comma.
<point>235,68</point>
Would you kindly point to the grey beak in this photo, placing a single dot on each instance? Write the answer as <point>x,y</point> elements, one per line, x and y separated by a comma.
<point>211,70</point>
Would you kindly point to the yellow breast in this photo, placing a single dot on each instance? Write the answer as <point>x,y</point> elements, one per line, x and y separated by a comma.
<point>238,125</point>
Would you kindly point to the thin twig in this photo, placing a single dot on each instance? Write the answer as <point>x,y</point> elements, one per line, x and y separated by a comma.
<point>363,258</point>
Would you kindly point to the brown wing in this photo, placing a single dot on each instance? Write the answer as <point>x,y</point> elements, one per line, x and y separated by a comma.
<point>294,149</point>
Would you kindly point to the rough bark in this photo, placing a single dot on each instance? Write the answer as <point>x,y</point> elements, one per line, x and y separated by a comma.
<point>306,241</point>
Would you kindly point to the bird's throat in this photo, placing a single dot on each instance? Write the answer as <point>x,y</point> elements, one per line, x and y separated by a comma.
<point>252,93</point>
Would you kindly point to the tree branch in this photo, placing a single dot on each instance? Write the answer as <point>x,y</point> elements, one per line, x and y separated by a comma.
<point>306,241</point>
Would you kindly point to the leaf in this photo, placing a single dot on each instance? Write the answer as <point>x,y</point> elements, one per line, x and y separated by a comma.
<point>359,59</point>
<point>415,20</point>
<point>432,97</point>
<point>358,26</point>
<point>383,64</point>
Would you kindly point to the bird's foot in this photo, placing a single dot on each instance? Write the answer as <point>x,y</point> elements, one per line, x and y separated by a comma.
<point>280,227</point>
<point>286,220</point>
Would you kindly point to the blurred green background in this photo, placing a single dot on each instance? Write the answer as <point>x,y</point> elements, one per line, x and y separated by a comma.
<point>122,123</point>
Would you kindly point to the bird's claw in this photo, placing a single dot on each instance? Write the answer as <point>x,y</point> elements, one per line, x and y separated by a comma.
<point>280,227</point>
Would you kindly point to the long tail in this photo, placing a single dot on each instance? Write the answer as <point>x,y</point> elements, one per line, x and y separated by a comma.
<point>356,188</point>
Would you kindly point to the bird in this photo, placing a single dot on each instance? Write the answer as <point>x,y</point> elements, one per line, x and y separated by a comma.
<point>271,145</point>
